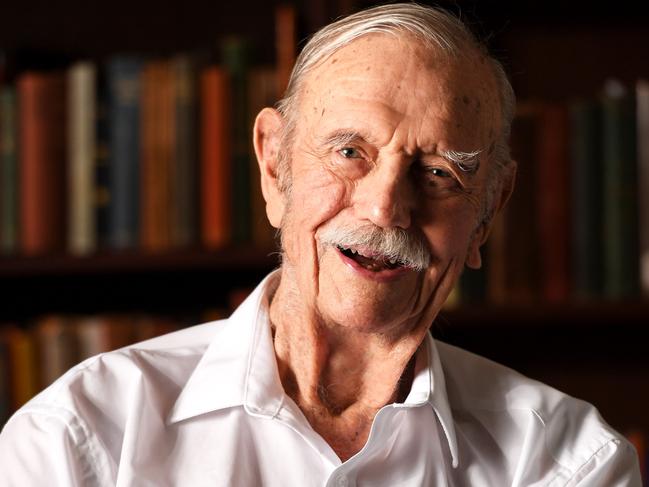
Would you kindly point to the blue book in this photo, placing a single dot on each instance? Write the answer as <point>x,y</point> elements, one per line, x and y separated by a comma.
<point>123,90</point>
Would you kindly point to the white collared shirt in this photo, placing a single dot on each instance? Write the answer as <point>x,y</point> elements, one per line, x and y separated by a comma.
<point>205,407</point>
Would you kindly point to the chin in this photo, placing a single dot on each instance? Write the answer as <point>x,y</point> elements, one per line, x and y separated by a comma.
<point>368,315</point>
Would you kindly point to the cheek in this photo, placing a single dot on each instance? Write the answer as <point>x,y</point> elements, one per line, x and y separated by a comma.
<point>318,195</point>
<point>448,228</point>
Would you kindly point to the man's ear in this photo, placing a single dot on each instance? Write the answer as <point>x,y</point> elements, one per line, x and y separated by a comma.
<point>267,135</point>
<point>503,193</point>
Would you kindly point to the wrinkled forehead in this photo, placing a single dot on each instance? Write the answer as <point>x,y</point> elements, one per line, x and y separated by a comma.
<point>403,72</point>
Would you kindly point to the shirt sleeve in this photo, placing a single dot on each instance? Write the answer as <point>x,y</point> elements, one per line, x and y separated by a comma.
<point>48,448</point>
<point>614,465</point>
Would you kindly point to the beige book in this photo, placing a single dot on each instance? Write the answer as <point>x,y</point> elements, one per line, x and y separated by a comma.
<point>81,133</point>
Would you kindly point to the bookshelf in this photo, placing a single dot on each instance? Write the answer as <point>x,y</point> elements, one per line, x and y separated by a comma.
<point>553,52</point>
<point>172,282</point>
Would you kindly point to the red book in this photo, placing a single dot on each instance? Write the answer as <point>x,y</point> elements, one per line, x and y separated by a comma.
<point>42,162</point>
<point>553,202</point>
<point>513,248</point>
<point>216,152</point>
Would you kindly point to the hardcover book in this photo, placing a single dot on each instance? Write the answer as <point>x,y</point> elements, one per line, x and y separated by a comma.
<point>42,179</point>
<point>81,99</point>
<point>123,134</point>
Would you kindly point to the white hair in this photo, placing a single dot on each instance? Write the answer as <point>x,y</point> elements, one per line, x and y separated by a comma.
<point>438,30</point>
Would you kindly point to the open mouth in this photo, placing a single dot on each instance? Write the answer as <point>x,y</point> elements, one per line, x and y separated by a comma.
<point>372,263</point>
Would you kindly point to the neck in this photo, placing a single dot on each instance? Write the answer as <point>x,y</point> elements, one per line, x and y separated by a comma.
<point>338,377</point>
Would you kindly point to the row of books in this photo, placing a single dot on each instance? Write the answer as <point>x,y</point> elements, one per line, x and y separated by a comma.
<point>577,224</point>
<point>138,153</point>
<point>133,154</point>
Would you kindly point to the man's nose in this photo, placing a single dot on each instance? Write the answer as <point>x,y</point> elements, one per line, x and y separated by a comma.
<point>385,196</point>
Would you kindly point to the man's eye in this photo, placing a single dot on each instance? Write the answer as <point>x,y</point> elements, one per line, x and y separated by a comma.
<point>436,179</point>
<point>349,153</point>
<point>435,171</point>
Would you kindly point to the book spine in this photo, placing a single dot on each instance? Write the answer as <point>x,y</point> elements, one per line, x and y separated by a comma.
<point>157,136</point>
<point>235,61</point>
<point>24,365</point>
<point>123,92</point>
<point>101,198</point>
<point>620,193</point>
<point>42,162</point>
<point>81,85</point>
<point>57,345</point>
<point>552,190</point>
<point>642,91</point>
<point>587,200</point>
<point>216,158</point>
<point>520,238</point>
<point>285,44</point>
<point>8,172</point>
<point>184,212</point>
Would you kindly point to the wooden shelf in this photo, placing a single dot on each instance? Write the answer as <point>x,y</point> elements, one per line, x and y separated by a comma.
<point>634,312</point>
<point>227,259</point>
<point>177,282</point>
<point>570,334</point>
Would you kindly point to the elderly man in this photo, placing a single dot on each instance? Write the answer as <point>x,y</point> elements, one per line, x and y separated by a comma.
<point>383,168</point>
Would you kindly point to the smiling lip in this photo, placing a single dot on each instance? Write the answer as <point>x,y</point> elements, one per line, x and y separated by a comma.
<point>386,275</point>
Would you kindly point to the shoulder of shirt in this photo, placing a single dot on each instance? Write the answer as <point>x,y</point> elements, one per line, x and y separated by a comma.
<point>167,360</point>
<point>574,431</point>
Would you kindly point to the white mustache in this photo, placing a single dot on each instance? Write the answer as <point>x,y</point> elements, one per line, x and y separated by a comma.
<point>394,244</point>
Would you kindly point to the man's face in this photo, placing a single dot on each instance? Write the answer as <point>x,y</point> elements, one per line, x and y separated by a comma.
<point>373,122</point>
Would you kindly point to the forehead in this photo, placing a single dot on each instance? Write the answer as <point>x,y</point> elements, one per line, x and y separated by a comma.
<point>382,77</point>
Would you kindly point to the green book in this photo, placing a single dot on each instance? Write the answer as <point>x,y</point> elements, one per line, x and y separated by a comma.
<point>234,53</point>
<point>8,172</point>
<point>620,192</point>
<point>642,95</point>
<point>587,199</point>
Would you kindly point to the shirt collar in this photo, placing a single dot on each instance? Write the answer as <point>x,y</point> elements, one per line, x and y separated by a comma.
<point>429,387</point>
<point>239,368</point>
<point>439,399</point>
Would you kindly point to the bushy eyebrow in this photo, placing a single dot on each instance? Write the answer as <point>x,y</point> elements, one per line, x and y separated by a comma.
<point>466,161</point>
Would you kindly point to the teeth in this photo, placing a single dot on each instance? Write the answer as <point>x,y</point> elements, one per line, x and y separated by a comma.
<point>376,257</point>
